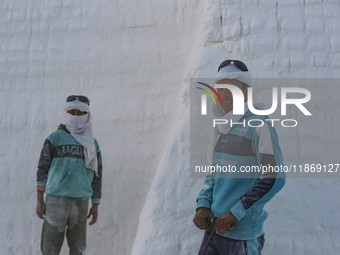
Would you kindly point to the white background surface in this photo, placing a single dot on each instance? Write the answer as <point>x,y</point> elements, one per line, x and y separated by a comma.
<point>134,60</point>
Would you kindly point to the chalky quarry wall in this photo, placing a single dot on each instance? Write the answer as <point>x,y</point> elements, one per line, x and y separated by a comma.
<point>129,58</point>
<point>276,39</point>
<point>134,59</point>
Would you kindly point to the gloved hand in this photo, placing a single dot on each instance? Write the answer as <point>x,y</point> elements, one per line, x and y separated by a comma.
<point>223,223</point>
<point>200,218</point>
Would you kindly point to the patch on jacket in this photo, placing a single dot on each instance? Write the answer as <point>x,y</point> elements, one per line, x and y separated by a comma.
<point>71,151</point>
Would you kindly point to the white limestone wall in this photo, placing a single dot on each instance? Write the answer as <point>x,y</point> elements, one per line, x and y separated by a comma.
<point>133,59</point>
<point>288,38</point>
<point>129,58</point>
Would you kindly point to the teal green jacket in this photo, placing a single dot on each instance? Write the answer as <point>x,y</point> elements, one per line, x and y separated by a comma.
<point>244,194</point>
<point>62,171</point>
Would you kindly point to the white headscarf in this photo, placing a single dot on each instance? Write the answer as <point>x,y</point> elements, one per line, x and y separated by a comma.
<point>228,72</point>
<point>81,129</point>
<point>233,72</point>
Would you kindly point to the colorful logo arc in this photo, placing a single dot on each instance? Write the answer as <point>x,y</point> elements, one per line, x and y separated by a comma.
<point>208,92</point>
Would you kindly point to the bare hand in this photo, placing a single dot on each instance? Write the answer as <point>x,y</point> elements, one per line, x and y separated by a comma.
<point>94,212</point>
<point>223,223</point>
<point>41,209</point>
<point>41,206</point>
<point>200,218</point>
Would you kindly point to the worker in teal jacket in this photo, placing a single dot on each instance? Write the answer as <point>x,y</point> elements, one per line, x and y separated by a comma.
<point>70,173</point>
<point>239,196</point>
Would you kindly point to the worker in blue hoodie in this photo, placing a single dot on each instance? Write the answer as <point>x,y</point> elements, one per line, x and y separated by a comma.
<point>70,173</point>
<point>237,198</point>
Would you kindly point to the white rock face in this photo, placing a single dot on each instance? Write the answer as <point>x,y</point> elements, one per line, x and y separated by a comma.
<point>129,58</point>
<point>275,39</point>
<point>134,59</point>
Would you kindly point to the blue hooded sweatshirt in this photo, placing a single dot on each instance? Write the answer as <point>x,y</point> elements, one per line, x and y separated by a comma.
<point>251,146</point>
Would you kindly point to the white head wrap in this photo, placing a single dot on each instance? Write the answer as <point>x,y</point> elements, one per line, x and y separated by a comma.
<point>81,129</point>
<point>228,72</point>
<point>233,72</point>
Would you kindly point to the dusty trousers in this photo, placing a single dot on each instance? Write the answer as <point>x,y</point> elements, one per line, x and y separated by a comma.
<point>64,215</point>
<point>221,245</point>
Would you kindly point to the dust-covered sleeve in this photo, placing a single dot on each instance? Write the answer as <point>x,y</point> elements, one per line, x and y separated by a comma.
<point>205,197</point>
<point>266,146</point>
<point>97,179</point>
<point>45,161</point>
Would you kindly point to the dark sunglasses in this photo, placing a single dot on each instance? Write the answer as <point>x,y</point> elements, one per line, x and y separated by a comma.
<point>80,98</point>
<point>237,63</point>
